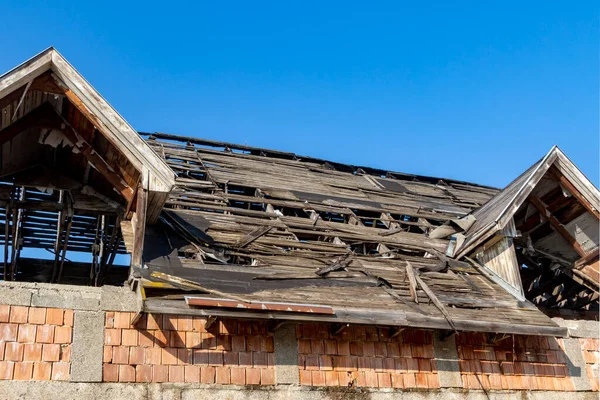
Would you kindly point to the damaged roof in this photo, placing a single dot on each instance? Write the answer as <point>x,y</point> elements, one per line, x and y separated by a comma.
<point>258,233</point>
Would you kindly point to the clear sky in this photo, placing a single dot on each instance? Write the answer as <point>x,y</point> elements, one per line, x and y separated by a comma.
<point>476,91</point>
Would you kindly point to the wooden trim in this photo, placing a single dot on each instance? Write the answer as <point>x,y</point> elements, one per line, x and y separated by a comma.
<point>354,316</point>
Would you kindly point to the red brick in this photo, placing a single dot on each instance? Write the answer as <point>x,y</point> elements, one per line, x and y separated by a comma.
<point>143,373</point>
<point>6,370</point>
<point>231,358</point>
<point>161,339</point>
<point>152,321</point>
<point>207,375</point>
<point>4,313</point>
<point>305,377</point>
<point>228,327</point>
<point>238,376</point>
<point>193,340</point>
<point>51,352</point>
<point>380,349</point>
<point>356,348</point>
<point>32,352</point>
<point>160,373</point>
<point>129,337</point>
<point>26,333</point>
<point>223,375</point>
<point>126,373</point>
<point>371,379</point>
<point>184,356</point>
<point>433,381</point>
<point>60,371</point>
<point>37,315</point>
<point>65,353</point>
<point>246,359</point>
<point>145,339</point>
<point>23,371</point>
<point>369,349</point>
<point>45,334</point>
<point>120,355</point>
<point>215,358</point>
<point>107,354</point>
<point>8,332</point>
<point>409,380</point>
<point>200,356</point>
<point>42,371</point>
<point>238,343</point>
<point>169,322</point>
<point>223,343</point>
<point>252,376</point>
<point>152,355</point>
<point>267,344</point>
<point>68,318</point>
<point>331,378</point>
<point>18,314</point>
<point>191,373</point>
<point>325,363</point>
<point>184,323</point>
<point>384,379</point>
<point>397,381</point>
<point>13,351</point>
<point>169,356</point>
<point>317,346</point>
<point>412,365</point>
<point>109,320</point>
<point>112,337</point>
<point>110,373</point>
<point>198,324</point>
<point>123,320</point>
<point>176,339</point>
<point>343,348</point>
<point>421,380</point>
<point>253,343</point>
<point>267,376</point>
<point>54,316</point>
<point>377,364</point>
<point>424,365</point>
<point>63,334</point>
<point>2,347</point>
<point>259,360</point>
<point>136,355</point>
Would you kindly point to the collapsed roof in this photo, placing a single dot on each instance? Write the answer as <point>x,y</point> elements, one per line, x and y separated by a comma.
<point>240,231</point>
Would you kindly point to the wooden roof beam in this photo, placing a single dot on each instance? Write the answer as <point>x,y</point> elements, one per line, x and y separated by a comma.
<point>45,116</point>
<point>557,225</point>
<point>573,190</point>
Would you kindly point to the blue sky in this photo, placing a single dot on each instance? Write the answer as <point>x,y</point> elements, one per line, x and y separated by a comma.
<point>475,91</point>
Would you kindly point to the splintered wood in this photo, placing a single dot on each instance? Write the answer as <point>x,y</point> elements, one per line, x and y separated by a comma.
<point>275,227</point>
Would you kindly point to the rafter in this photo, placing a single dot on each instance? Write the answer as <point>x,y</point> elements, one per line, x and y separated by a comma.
<point>45,116</point>
<point>573,190</point>
<point>557,225</point>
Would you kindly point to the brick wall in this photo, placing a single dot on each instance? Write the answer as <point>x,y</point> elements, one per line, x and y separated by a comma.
<point>178,348</point>
<point>35,343</point>
<point>591,353</point>
<point>364,356</point>
<point>517,362</point>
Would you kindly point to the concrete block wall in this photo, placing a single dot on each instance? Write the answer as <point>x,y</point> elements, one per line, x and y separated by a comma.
<point>591,355</point>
